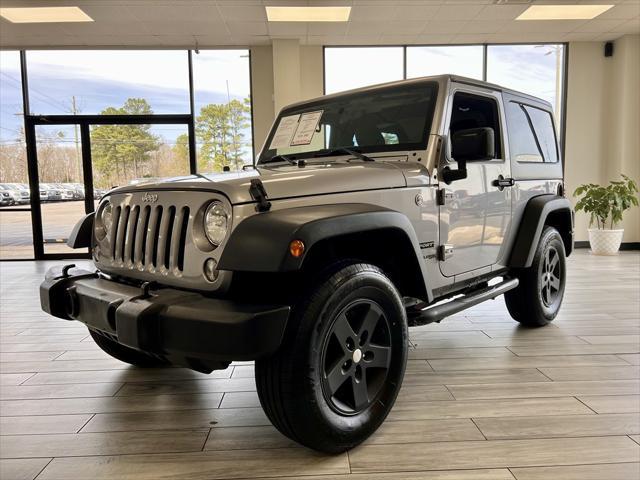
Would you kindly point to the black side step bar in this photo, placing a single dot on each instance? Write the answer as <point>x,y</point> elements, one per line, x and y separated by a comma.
<point>438,312</point>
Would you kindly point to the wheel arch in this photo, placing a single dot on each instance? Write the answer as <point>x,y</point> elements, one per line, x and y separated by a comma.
<point>541,211</point>
<point>363,232</point>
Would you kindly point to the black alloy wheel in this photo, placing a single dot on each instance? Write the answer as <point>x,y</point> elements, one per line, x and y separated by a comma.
<point>355,357</point>
<point>551,276</point>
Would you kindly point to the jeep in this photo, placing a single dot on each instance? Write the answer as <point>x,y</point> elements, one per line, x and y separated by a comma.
<point>366,212</point>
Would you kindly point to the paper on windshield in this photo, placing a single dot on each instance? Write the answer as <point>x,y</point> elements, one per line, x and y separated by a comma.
<point>285,131</point>
<point>307,126</point>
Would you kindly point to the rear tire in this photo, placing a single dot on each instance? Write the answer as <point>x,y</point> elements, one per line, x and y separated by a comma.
<point>537,299</point>
<point>126,354</point>
<point>340,367</point>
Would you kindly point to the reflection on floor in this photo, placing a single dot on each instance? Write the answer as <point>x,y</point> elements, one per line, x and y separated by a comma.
<point>482,399</point>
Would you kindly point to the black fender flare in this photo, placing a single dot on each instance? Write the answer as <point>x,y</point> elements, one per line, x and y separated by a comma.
<point>260,243</point>
<point>534,218</point>
<point>82,232</point>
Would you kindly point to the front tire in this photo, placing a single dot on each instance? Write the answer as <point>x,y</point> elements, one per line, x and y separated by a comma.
<point>126,354</point>
<point>338,373</point>
<point>537,299</point>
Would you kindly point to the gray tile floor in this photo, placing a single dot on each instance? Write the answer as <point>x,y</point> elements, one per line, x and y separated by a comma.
<point>482,399</point>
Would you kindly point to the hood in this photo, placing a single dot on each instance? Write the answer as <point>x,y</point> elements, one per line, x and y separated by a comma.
<point>287,181</point>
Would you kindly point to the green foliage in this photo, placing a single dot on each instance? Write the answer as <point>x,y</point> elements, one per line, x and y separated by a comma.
<point>219,129</point>
<point>123,152</point>
<point>609,202</point>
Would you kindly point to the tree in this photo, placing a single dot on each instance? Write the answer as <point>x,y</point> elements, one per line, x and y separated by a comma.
<point>220,129</point>
<point>122,152</point>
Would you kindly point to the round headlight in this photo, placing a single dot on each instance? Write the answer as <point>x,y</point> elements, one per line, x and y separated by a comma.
<point>216,222</point>
<point>105,221</point>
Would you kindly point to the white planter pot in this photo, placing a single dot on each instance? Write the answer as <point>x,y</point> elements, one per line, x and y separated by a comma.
<point>605,242</point>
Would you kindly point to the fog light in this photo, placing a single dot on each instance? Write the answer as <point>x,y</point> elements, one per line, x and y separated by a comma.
<point>211,270</point>
<point>296,248</point>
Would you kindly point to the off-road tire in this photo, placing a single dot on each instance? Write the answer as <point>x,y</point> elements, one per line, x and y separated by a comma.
<point>535,303</point>
<point>293,383</point>
<point>126,354</point>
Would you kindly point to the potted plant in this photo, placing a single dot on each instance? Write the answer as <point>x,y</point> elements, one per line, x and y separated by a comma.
<point>605,205</point>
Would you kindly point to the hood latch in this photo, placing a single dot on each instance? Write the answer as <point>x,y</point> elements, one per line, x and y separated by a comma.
<point>259,194</point>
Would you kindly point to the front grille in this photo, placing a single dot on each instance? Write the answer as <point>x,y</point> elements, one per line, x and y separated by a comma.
<point>149,237</point>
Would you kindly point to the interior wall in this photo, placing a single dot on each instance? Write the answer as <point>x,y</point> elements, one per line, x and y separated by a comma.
<point>603,120</point>
<point>283,73</point>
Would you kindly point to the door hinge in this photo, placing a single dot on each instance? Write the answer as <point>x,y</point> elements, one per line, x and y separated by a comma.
<point>445,252</point>
<point>442,196</point>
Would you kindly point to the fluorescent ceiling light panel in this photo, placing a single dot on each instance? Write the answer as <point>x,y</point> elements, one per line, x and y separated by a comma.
<point>45,15</point>
<point>308,14</point>
<point>563,12</point>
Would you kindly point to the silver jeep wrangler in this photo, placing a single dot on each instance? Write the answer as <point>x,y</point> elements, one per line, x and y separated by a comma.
<point>367,212</point>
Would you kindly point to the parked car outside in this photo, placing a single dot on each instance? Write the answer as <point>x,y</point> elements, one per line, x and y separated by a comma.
<point>369,211</point>
<point>14,194</point>
<point>25,193</point>
<point>6,198</point>
<point>52,193</point>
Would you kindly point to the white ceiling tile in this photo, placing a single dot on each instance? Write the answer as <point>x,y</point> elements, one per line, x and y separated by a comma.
<point>367,28</point>
<point>466,38</point>
<point>632,26</point>
<point>429,39</point>
<point>243,13</point>
<point>247,28</point>
<point>408,27</point>
<point>625,12</point>
<point>398,39</point>
<point>415,12</point>
<point>599,26</point>
<point>372,13</point>
<point>327,28</point>
<point>458,12</point>
<point>580,37</point>
<point>372,39</point>
<point>501,12</point>
<point>542,26</point>
<point>287,28</point>
<point>483,26</point>
<point>443,28</point>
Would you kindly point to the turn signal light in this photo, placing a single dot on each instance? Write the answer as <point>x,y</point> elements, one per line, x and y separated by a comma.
<point>296,248</point>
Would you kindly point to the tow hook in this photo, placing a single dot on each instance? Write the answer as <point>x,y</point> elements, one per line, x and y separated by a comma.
<point>65,271</point>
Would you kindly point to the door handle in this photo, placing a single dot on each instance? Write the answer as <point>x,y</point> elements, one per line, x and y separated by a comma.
<point>502,182</point>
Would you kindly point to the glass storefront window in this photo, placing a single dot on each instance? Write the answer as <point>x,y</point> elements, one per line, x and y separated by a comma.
<point>354,67</point>
<point>463,60</point>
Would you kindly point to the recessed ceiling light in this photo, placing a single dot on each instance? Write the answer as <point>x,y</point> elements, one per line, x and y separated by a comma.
<point>563,12</point>
<point>308,14</point>
<point>44,15</point>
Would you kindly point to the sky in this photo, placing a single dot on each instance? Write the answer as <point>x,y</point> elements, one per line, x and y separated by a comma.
<point>102,78</point>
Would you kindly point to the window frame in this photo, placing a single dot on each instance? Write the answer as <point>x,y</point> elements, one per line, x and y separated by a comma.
<point>501,121</point>
<point>523,106</point>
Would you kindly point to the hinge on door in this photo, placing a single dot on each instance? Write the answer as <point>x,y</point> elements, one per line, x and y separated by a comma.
<point>442,196</point>
<point>444,252</point>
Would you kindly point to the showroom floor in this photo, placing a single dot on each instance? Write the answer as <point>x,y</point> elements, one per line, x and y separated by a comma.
<point>482,399</point>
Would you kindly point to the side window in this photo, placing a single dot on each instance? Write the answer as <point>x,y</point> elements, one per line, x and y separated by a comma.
<point>476,111</point>
<point>545,133</point>
<point>531,134</point>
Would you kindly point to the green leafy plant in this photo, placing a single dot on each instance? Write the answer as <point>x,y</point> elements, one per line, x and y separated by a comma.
<point>606,204</point>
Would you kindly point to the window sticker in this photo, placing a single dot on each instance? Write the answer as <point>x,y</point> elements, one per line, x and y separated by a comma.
<point>285,131</point>
<point>306,128</point>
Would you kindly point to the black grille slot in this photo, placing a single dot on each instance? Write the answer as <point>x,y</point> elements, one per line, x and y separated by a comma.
<point>183,237</point>
<point>146,216</point>
<point>169,236</point>
<point>156,237</point>
<point>114,231</point>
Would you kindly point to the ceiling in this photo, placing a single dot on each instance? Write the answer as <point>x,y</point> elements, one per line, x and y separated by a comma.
<point>182,23</point>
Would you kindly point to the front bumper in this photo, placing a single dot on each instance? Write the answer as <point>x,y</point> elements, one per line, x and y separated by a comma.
<point>181,325</point>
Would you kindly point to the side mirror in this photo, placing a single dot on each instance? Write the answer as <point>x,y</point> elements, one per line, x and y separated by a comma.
<point>473,144</point>
<point>469,145</point>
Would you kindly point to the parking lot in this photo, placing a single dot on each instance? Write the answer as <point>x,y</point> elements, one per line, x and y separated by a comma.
<point>58,219</point>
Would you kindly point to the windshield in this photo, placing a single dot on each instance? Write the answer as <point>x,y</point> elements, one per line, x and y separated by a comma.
<point>393,118</point>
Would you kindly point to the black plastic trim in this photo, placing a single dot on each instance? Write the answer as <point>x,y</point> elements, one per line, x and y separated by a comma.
<point>260,243</point>
<point>533,221</point>
<point>175,323</point>
<point>82,232</point>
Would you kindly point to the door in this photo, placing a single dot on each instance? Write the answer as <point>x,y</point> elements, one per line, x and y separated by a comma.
<point>475,211</point>
<point>61,184</point>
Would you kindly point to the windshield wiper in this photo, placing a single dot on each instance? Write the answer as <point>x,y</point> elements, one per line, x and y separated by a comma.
<point>344,150</point>
<point>280,158</point>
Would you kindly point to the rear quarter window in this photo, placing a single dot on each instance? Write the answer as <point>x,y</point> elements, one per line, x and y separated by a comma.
<point>531,134</point>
